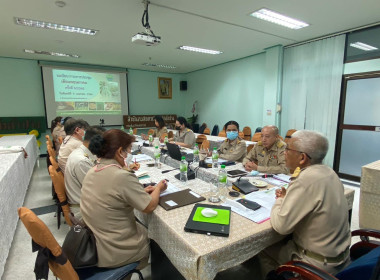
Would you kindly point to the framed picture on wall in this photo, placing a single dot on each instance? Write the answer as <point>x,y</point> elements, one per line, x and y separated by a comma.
<point>164,88</point>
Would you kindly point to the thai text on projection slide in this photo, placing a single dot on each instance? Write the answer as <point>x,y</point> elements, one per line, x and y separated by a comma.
<point>86,93</point>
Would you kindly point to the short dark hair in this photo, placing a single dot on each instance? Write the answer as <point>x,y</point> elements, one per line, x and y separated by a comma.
<point>160,120</point>
<point>232,123</point>
<point>72,124</point>
<point>92,131</point>
<point>106,145</point>
<point>182,120</point>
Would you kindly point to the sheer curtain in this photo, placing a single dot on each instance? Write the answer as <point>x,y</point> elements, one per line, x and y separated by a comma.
<point>311,88</point>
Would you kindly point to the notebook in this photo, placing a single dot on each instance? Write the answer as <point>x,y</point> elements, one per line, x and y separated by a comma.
<point>218,225</point>
<point>179,199</point>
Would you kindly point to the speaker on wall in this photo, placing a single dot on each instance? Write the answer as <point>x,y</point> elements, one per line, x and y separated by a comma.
<point>183,85</point>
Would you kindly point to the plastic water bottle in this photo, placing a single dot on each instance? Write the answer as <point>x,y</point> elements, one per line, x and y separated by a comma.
<point>183,170</point>
<point>222,183</point>
<point>196,155</point>
<point>122,128</point>
<point>157,155</point>
<point>166,140</point>
<point>130,131</point>
<point>150,139</point>
<point>215,157</point>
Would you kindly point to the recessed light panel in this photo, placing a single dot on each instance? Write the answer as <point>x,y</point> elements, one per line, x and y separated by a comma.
<point>362,46</point>
<point>52,53</point>
<point>200,50</point>
<point>159,65</point>
<point>277,18</point>
<point>54,26</point>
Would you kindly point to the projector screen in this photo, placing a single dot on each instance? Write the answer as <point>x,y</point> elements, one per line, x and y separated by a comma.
<point>85,94</point>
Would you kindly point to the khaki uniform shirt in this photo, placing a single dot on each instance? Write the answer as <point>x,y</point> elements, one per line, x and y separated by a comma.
<point>235,150</point>
<point>80,161</point>
<point>109,196</point>
<point>187,137</point>
<point>315,210</point>
<point>70,143</point>
<point>268,161</point>
<point>158,133</point>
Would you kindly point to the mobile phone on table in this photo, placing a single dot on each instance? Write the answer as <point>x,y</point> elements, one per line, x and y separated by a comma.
<point>249,204</point>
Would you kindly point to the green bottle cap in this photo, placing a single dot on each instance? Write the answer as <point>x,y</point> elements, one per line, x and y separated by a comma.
<point>214,148</point>
<point>183,158</point>
<point>223,166</point>
<point>156,147</point>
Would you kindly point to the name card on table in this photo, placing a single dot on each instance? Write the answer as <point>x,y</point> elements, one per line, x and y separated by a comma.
<point>145,120</point>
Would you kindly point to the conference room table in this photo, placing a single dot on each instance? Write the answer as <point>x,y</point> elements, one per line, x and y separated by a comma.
<point>198,256</point>
<point>15,174</point>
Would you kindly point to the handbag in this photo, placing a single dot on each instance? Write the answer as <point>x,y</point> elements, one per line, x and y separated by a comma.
<point>80,247</point>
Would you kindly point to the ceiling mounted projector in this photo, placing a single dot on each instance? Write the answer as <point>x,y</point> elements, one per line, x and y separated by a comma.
<point>146,38</point>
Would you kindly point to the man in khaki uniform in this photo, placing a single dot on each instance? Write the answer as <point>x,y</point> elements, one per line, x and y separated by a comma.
<point>313,209</point>
<point>233,148</point>
<point>267,156</point>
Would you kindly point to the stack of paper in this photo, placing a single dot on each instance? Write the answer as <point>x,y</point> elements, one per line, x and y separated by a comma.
<point>170,189</point>
<point>141,157</point>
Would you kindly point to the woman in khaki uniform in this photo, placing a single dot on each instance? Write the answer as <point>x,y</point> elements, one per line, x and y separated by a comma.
<point>159,130</point>
<point>233,148</point>
<point>110,193</point>
<point>184,136</point>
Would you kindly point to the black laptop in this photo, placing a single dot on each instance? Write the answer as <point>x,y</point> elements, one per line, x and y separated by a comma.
<point>175,152</point>
<point>198,224</point>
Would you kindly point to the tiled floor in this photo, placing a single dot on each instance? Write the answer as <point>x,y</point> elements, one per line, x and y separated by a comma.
<point>20,262</point>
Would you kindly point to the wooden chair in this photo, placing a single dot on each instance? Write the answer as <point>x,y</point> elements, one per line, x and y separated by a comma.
<point>206,131</point>
<point>55,165</point>
<point>60,140</point>
<point>135,131</point>
<point>222,134</point>
<point>247,133</point>
<point>61,266</point>
<point>256,137</point>
<point>150,131</point>
<point>241,134</point>
<point>51,151</point>
<point>62,205</point>
<point>48,141</point>
<point>205,145</point>
<point>249,147</point>
<point>170,134</point>
<point>200,139</point>
<point>289,134</point>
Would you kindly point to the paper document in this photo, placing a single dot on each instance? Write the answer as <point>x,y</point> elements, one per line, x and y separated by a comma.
<point>282,177</point>
<point>260,215</point>
<point>170,189</point>
<point>141,173</point>
<point>141,157</point>
<point>273,181</point>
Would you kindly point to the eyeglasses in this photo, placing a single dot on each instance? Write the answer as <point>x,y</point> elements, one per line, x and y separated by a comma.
<point>288,149</point>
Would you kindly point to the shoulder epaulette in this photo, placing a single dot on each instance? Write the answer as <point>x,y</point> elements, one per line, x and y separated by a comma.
<point>296,172</point>
<point>260,143</point>
<point>280,144</point>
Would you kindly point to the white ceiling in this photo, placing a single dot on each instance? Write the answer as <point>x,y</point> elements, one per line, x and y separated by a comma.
<point>215,24</point>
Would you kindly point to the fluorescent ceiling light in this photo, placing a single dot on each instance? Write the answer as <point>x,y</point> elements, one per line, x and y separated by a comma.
<point>194,49</point>
<point>362,46</point>
<point>280,19</point>
<point>54,26</point>
<point>52,53</point>
<point>159,65</point>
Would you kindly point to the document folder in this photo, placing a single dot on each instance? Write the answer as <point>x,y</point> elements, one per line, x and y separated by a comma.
<point>179,199</point>
<point>244,186</point>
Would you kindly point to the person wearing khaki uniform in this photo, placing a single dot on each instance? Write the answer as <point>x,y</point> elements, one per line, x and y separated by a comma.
<point>159,131</point>
<point>267,156</point>
<point>184,136</point>
<point>233,148</point>
<point>313,209</point>
<point>110,193</point>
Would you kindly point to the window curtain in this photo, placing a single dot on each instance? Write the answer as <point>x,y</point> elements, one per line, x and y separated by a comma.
<point>311,86</point>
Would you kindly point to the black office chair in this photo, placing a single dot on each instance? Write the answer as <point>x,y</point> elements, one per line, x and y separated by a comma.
<point>365,256</point>
<point>202,128</point>
<point>258,129</point>
<point>215,130</point>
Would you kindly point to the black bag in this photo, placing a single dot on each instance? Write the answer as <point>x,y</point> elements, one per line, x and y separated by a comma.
<point>80,247</point>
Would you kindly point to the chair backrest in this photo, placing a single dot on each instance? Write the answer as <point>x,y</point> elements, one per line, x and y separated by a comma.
<point>258,129</point>
<point>60,140</point>
<point>55,165</point>
<point>206,131</point>
<point>247,133</point>
<point>202,128</point>
<point>256,137</point>
<point>135,131</point>
<point>222,134</point>
<point>150,131</point>
<point>215,130</point>
<point>289,134</point>
<point>205,145</point>
<point>170,134</point>
<point>200,139</point>
<point>41,235</point>
<point>249,148</point>
<point>51,151</point>
<point>48,140</point>
<point>59,187</point>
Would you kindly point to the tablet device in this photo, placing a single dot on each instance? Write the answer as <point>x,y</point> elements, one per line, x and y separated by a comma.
<point>218,225</point>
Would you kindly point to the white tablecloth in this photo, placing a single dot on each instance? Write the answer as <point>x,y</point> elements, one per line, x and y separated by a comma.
<point>15,174</point>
